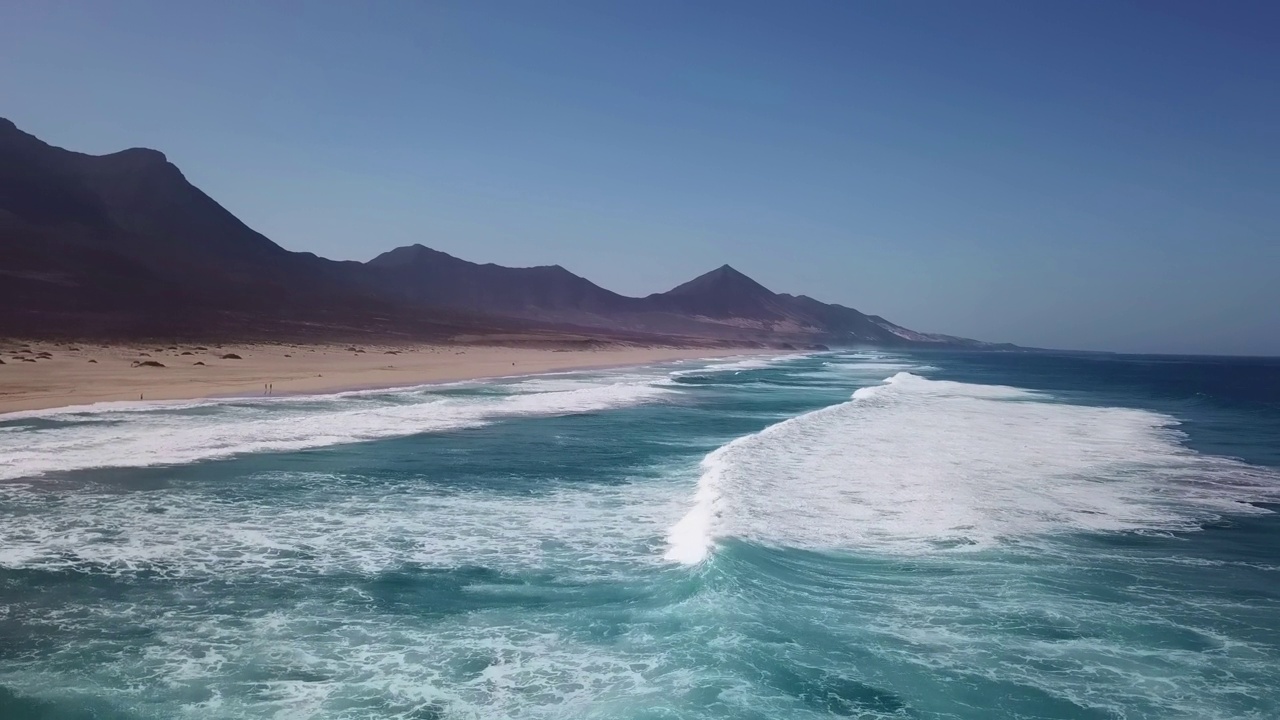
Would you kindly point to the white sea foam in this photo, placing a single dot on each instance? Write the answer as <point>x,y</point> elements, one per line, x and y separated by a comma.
<point>917,465</point>
<point>190,534</point>
<point>134,436</point>
<point>115,406</point>
<point>871,366</point>
<point>301,602</point>
<point>754,362</point>
<point>313,653</point>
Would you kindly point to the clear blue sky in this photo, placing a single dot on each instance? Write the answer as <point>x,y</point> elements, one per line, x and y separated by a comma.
<point>1101,175</point>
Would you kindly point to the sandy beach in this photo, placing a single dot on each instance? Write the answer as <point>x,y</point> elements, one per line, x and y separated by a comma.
<point>40,375</point>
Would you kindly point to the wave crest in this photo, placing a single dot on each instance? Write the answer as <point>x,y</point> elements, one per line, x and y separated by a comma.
<point>169,435</point>
<point>917,465</point>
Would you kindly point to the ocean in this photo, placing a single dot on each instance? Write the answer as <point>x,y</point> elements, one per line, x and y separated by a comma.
<point>864,534</point>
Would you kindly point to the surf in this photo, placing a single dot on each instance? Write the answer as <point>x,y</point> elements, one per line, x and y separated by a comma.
<point>135,435</point>
<point>914,465</point>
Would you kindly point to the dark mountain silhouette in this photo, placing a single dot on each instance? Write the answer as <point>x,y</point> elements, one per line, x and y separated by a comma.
<point>723,303</point>
<point>433,278</point>
<point>721,293</point>
<point>123,244</point>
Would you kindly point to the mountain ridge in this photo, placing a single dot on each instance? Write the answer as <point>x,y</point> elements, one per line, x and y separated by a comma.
<point>123,243</point>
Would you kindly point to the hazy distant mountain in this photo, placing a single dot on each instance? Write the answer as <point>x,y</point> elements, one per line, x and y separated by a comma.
<point>723,303</point>
<point>123,244</point>
<point>727,296</point>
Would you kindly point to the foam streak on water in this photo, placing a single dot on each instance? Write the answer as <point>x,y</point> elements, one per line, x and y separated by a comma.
<point>862,534</point>
<point>138,435</point>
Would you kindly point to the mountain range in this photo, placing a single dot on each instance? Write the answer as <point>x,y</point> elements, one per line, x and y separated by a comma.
<point>122,245</point>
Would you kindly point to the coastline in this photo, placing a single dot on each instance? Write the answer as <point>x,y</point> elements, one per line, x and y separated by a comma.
<point>58,375</point>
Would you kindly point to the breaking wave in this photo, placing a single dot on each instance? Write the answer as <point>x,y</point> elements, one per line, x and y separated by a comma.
<point>140,435</point>
<point>917,465</point>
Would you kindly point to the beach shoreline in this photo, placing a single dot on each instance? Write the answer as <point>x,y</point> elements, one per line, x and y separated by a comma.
<point>42,375</point>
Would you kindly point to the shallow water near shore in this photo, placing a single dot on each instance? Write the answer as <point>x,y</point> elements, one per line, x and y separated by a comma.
<point>859,534</point>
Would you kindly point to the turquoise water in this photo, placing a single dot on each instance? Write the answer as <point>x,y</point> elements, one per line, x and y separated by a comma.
<point>857,534</point>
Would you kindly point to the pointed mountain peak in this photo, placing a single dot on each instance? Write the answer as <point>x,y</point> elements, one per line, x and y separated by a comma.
<point>410,254</point>
<point>725,271</point>
<point>724,279</point>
